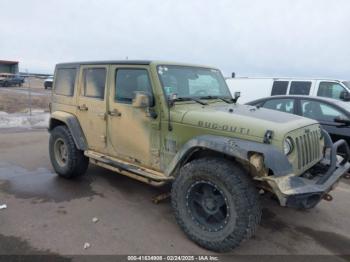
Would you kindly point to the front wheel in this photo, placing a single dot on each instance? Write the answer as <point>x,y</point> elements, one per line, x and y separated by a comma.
<point>215,203</point>
<point>67,160</point>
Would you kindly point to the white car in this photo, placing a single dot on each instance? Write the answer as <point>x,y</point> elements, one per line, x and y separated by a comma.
<point>48,82</point>
<point>256,88</point>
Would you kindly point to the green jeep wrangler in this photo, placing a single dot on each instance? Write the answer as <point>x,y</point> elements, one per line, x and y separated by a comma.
<point>161,122</point>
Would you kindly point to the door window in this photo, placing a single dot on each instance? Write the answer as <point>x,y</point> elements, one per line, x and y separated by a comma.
<point>300,88</point>
<point>279,88</point>
<point>330,89</point>
<point>94,81</point>
<point>129,81</point>
<point>284,105</point>
<point>320,111</point>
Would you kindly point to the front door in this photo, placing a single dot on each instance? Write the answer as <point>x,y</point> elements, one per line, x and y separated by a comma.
<point>325,114</point>
<point>92,106</point>
<point>133,133</point>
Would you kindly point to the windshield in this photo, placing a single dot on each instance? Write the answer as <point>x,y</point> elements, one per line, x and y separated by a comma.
<point>192,82</point>
<point>347,83</point>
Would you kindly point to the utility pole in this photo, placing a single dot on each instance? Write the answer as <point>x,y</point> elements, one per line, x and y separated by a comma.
<point>29,94</point>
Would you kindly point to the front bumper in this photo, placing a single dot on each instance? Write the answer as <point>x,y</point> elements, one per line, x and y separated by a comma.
<point>302,192</point>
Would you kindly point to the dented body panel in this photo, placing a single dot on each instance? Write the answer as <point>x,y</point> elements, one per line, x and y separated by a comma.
<point>237,148</point>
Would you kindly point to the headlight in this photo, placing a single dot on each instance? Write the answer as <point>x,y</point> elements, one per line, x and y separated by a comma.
<point>288,146</point>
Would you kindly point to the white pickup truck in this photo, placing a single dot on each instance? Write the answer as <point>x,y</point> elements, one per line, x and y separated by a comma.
<point>255,88</point>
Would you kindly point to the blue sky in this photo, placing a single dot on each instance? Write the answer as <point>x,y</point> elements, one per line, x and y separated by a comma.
<point>253,38</point>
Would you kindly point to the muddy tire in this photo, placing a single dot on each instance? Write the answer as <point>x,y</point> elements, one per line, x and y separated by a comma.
<point>215,203</point>
<point>66,159</point>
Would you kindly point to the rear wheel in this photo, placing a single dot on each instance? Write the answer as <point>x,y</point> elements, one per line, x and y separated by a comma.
<point>66,159</point>
<point>215,203</point>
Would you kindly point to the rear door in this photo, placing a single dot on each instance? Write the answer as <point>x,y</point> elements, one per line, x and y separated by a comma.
<point>92,105</point>
<point>286,105</point>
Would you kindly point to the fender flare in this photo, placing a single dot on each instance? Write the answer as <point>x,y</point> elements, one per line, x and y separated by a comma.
<point>238,148</point>
<point>73,125</point>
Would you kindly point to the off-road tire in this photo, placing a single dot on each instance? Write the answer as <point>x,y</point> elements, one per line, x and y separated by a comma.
<point>77,162</point>
<point>241,196</point>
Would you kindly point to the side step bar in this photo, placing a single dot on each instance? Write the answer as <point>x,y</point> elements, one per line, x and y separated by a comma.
<point>142,174</point>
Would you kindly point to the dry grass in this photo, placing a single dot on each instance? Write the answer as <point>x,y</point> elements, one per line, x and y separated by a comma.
<point>13,102</point>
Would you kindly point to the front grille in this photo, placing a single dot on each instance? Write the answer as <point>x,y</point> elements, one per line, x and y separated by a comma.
<point>308,148</point>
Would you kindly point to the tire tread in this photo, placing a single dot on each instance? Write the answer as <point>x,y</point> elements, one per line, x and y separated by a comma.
<point>240,183</point>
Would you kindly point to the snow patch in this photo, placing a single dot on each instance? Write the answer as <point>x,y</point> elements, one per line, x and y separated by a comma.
<point>38,119</point>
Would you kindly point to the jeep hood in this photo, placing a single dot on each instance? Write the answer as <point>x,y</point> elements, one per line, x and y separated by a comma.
<point>240,120</point>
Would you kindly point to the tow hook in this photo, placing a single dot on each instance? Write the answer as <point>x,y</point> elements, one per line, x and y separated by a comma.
<point>347,176</point>
<point>327,197</point>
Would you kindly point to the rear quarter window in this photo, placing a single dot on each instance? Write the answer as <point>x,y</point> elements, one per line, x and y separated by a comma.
<point>65,81</point>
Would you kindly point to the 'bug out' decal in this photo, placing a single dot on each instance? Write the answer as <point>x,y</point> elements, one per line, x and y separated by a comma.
<point>228,128</point>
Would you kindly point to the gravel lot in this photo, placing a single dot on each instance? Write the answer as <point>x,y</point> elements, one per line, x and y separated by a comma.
<point>50,215</point>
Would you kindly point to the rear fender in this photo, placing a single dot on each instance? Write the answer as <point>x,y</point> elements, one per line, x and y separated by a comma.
<point>71,121</point>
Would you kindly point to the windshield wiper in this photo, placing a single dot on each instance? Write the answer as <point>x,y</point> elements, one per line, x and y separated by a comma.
<point>191,99</point>
<point>227,100</point>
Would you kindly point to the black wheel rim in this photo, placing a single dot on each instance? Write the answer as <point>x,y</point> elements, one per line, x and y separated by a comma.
<point>207,206</point>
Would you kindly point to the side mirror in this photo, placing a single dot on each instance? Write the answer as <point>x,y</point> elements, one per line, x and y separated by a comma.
<point>236,96</point>
<point>171,98</point>
<point>342,120</point>
<point>141,100</point>
<point>345,96</point>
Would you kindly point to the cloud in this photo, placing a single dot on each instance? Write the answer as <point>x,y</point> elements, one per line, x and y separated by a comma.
<point>289,38</point>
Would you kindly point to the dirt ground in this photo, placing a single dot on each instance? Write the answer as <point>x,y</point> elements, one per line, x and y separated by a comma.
<point>50,215</point>
<point>19,99</point>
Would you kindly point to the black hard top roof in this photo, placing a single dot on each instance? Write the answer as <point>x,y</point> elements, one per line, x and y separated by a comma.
<point>119,62</point>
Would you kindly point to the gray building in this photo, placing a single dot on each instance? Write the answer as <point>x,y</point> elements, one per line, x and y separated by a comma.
<point>8,67</point>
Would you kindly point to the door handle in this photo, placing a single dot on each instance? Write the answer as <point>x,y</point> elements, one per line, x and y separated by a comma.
<point>115,112</point>
<point>83,108</point>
